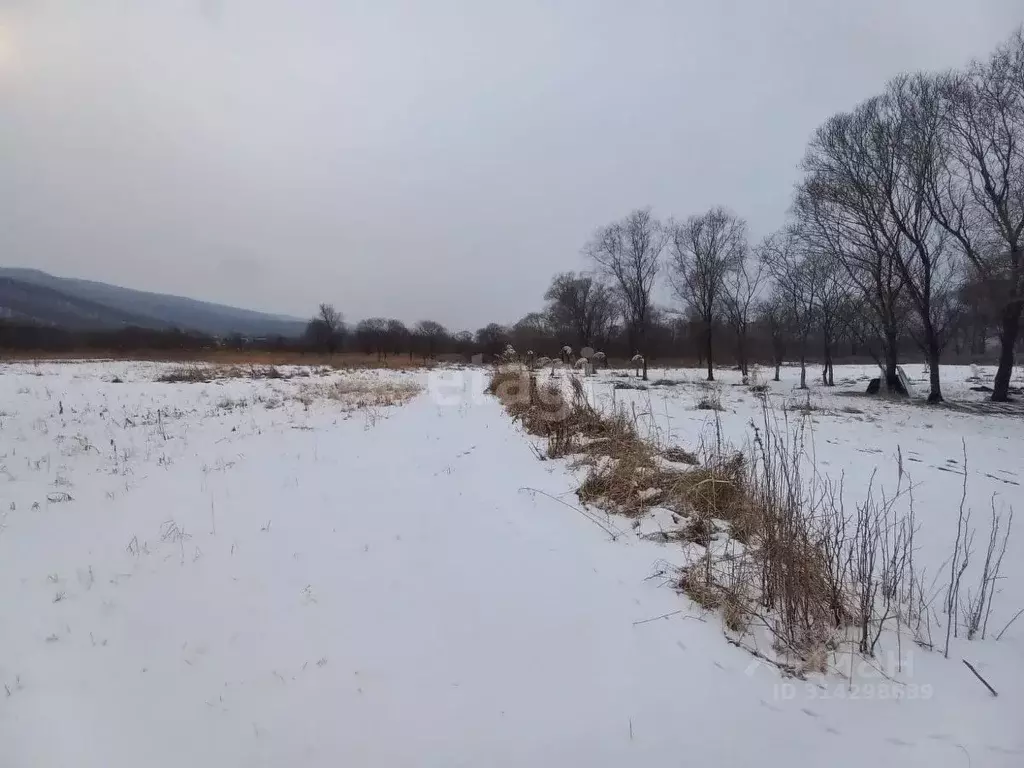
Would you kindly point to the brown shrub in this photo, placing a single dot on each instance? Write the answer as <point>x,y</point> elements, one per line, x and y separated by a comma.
<point>627,484</point>
<point>716,490</point>
<point>710,403</point>
<point>699,530</point>
<point>735,614</point>
<point>680,455</point>
<point>191,374</point>
<point>699,589</point>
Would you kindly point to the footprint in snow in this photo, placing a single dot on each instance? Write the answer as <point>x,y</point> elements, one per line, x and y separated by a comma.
<point>809,712</point>
<point>772,707</point>
<point>898,742</point>
<point>1002,479</point>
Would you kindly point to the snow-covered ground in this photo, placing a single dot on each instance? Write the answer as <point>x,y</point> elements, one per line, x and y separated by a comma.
<point>244,572</point>
<point>858,439</point>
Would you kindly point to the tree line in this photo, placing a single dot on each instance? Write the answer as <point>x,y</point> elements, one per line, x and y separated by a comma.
<point>904,237</point>
<point>904,234</point>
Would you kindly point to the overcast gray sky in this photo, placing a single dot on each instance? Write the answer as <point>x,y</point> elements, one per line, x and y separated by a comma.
<point>424,159</point>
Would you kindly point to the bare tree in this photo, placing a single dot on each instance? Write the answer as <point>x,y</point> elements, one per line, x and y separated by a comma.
<point>397,336</point>
<point>326,329</point>
<point>774,315</point>
<point>796,282</point>
<point>430,335</point>
<point>371,336</point>
<point>581,306</point>
<point>705,250</point>
<point>492,339</point>
<point>629,253</point>
<point>533,332</point>
<point>831,295</point>
<point>462,343</point>
<point>907,150</point>
<point>839,212</point>
<point>742,287</point>
<point>330,317</point>
<point>978,193</point>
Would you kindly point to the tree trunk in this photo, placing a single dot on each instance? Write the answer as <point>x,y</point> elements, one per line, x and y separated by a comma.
<point>709,343</point>
<point>892,378</point>
<point>1007,341</point>
<point>935,385</point>
<point>642,334</point>
<point>803,362</point>
<point>778,366</point>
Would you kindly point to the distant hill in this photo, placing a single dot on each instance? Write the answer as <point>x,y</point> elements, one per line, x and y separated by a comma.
<point>31,294</point>
<point>28,302</point>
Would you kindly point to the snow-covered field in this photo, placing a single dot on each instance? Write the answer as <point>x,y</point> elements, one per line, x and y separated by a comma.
<point>858,439</point>
<point>248,572</point>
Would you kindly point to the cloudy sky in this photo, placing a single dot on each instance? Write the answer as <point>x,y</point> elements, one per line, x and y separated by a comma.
<point>432,158</point>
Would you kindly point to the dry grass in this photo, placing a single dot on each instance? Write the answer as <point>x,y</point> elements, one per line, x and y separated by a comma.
<point>735,613</point>
<point>629,385</point>
<point>353,393</point>
<point>698,588</point>
<point>680,455</point>
<point>716,491</point>
<point>710,403</point>
<point>228,357</point>
<point>541,408</point>
<point>193,373</point>
<point>623,472</point>
<point>627,484</point>
<point>699,530</point>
